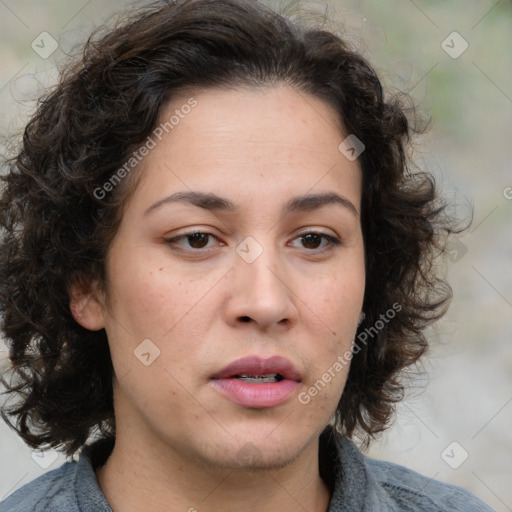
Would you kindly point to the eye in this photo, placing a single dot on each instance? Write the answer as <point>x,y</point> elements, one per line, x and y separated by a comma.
<point>197,240</point>
<point>312,240</point>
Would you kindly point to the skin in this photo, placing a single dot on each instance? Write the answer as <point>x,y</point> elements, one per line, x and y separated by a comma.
<point>180,444</point>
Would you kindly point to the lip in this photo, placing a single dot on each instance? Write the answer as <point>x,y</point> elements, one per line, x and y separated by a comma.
<point>257,365</point>
<point>257,395</point>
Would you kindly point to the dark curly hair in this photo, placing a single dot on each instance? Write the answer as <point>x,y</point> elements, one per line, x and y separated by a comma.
<point>55,229</point>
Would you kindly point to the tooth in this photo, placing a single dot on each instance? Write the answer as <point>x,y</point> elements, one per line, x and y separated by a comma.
<point>252,376</point>
<point>268,378</point>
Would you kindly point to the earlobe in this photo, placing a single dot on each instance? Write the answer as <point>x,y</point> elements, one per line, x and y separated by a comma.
<point>86,304</point>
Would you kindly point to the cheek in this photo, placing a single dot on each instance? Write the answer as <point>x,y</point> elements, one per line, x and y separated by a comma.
<point>337,299</point>
<point>337,303</point>
<point>150,297</point>
<point>339,309</point>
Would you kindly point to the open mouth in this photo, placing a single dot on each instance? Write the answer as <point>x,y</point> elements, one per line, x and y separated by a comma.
<point>258,382</point>
<point>259,379</point>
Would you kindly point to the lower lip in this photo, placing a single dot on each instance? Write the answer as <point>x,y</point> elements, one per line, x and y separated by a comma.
<point>248,394</point>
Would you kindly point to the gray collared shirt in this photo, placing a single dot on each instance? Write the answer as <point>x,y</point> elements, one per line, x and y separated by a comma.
<point>357,483</point>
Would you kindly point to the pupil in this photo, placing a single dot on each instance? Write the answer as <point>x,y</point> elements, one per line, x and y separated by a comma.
<point>198,239</point>
<point>311,238</point>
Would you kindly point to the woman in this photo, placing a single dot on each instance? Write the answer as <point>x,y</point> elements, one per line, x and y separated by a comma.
<point>216,258</point>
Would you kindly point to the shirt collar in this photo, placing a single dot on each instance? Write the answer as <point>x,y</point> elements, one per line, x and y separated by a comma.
<point>341,466</point>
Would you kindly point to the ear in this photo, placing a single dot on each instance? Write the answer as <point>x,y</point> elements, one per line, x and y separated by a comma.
<point>86,303</point>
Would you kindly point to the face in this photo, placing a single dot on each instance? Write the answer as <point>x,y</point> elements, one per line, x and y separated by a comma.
<point>209,297</point>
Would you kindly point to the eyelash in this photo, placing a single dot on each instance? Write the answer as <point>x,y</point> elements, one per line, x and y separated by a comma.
<point>333,241</point>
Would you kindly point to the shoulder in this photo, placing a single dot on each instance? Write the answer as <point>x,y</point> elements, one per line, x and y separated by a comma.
<point>409,490</point>
<point>52,491</point>
<point>73,487</point>
<point>361,483</point>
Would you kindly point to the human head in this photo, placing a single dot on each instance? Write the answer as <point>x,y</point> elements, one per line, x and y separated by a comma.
<point>58,225</point>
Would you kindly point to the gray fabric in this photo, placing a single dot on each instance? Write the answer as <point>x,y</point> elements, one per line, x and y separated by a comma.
<point>357,483</point>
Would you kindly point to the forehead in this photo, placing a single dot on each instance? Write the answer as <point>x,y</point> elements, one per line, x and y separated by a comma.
<point>245,143</point>
<point>279,116</point>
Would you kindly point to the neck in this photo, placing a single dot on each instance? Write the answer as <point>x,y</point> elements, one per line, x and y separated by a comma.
<point>141,475</point>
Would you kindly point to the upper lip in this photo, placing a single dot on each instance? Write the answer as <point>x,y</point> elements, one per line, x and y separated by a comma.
<point>256,365</point>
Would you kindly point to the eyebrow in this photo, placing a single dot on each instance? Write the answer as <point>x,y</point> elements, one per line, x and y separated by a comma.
<point>213,202</point>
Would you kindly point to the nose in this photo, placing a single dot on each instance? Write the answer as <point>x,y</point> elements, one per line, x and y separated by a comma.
<point>262,292</point>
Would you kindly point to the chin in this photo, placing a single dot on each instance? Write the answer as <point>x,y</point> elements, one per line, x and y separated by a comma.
<point>249,451</point>
<point>253,457</point>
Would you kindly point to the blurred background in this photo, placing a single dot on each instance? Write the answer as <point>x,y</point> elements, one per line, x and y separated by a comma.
<point>454,58</point>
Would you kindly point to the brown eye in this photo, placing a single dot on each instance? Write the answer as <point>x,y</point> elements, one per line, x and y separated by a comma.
<point>312,240</point>
<point>198,240</point>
